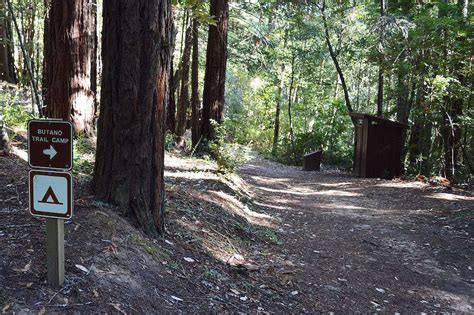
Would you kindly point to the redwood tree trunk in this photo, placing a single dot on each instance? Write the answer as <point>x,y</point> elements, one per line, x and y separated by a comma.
<point>183,103</point>
<point>130,144</point>
<point>171,108</point>
<point>216,63</point>
<point>195,104</point>
<point>4,40</point>
<point>10,48</point>
<point>69,51</point>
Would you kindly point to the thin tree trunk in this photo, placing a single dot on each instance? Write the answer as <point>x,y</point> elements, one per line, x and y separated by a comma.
<point>4,60</point>
<point>10,46</point>
<point>290,118</point>
<point>177,76</point>
<point>171,112</point>
<point>359,79</point>
<point>381,60</point>
<point>195,103</point>
<point>130,145</point>
<point>171,106</point>
<point>276,130</point>
<point>183,103</point>
<point>69,57</point>
<point>34,88</point>
<point>335,60</point>
<point>216,63</point>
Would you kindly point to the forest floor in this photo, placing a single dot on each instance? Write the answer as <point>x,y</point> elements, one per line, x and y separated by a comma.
<point>270,239</point>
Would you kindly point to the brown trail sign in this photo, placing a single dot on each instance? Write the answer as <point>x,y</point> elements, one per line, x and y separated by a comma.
<point>50,148</point>
<point>50,144</point>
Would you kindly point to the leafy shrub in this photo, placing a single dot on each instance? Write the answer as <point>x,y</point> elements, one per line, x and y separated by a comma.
<point>15,115</point>
<point>228,155</point>
<point>169,141</point>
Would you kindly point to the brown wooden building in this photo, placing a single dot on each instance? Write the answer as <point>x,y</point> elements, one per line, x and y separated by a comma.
<point>378,145</point>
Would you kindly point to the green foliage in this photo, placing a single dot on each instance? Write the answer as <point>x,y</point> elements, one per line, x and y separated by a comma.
<point>84,155</point>
<point>14,114</point>
<point>228,155</point>
<point>169,141</point>
<point>427,63</point>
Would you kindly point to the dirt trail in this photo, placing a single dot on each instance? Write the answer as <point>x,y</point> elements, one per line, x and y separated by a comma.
<point>367,245</point>
<point>278,240</point>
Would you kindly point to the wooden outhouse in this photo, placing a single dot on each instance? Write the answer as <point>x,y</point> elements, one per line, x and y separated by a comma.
<point>378,144</point>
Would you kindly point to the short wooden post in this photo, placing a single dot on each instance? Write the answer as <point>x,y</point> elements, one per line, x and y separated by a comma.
<point>55,251</point>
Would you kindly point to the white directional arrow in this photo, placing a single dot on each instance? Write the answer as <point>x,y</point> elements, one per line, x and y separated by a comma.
<point>51,152</point>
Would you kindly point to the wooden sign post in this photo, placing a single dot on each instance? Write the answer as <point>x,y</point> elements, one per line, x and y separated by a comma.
<point>50,186</point>
<point>55,251</point>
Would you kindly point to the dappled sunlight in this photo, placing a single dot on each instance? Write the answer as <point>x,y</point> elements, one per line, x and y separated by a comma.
<point>343,206</point>
<point>459,301</point>
<point>235,207</point>
<point>238,208</point>
<point>215,243</point>
<point>336,184</point>
<point>22,154</point>
<point>188,164</point>
<point>269,180</point>
<point>308,192</point>
<point>192,175</point>
<point>266,205</point>
<point>450,197</point>
<point>400,184</point>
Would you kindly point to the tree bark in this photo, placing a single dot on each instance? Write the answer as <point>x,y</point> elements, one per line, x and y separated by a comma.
<point>381,60</point>
<point>195,103</point>
<point>216,63</point>
<point>173,82</point>
<point>130,145</point>
<point>276,130</point>
<point>69,45</point>
<point>4,60</point>
<point>290,117</point>
<point>95,46</point>
<point>183,103</point>
<point>10,48</point>
<point>171,108</point>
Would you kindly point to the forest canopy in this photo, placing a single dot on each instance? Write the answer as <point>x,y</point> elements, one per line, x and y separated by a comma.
<point>290,74</point>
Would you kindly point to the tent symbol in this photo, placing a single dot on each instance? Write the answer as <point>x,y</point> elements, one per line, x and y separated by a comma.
<point>50,195</point>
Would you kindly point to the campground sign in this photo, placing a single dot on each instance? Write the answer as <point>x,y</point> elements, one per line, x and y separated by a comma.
<point>50,194</point>
<point>50,186</point>
<point>50,144</point>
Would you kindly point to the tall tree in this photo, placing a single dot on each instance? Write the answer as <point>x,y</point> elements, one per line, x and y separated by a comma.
<point>4,60</point>
<point>69,45</point>
<point>183,103</point>
<point>130,145</point>
<point>381,60</point>
<point>333,54</point>
<point>278,101</point>
<point>171,106</point>
<point>10,46</point>
<point>216,64</point>
<point>195,103</point>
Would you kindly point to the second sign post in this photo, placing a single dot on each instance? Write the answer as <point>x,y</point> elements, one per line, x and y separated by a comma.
<point>50,186</point>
